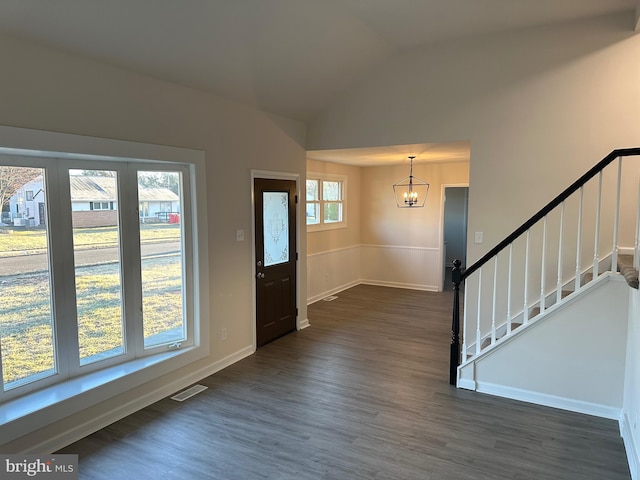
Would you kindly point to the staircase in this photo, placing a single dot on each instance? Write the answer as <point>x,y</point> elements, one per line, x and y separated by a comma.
<point>583,234</point>
<point>625,267</point>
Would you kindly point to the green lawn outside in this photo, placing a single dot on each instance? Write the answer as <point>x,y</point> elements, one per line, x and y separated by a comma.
<point>35,241</point>
<point>25,313</point>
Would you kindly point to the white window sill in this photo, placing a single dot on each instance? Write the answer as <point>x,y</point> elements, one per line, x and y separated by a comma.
<point>319,227</point>
<point>35,410</point>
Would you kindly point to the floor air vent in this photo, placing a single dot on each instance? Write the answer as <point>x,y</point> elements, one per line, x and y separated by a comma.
<point>188,393</point>
<point>330,298</point>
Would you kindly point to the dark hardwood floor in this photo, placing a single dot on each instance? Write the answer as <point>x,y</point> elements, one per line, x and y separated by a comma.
<point>361,394</point>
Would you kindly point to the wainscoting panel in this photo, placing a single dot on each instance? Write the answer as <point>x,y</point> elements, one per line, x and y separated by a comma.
<point>332,271</point>
<point>417,268</point>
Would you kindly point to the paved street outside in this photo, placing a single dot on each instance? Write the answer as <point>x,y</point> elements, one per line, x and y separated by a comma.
<point>38,262</point>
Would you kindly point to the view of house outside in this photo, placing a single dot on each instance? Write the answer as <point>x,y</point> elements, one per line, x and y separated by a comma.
<point>27,342</point>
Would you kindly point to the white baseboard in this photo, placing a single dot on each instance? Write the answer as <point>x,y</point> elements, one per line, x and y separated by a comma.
<point>377,283</point>
<point>303,324</point>
<point>466,383</point>
<point>408,286</point>
<point>633,454</point>
<point>331,291</point>
<point>570,404</point>
<point>626,250</point>
<point>80,431</point>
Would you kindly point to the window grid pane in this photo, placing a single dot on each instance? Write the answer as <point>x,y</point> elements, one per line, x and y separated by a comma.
<point>162,252</point>
<point>26,318</point>
<point>96,243</point>
<point>313,213</point>
<point>312,190</point>
<point>332,212</point>
<point>331,190</point>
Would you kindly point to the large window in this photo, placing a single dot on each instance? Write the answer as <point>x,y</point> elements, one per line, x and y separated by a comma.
<point>82,291</point>
<point>326,201</point>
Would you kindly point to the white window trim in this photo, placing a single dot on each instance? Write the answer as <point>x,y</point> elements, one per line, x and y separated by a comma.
<point>318,227</point>
<point>32,411</point>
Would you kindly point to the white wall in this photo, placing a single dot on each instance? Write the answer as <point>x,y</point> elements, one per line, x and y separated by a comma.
<point>403,246</point>
<point>333,256</point>
<point>49,90</point>
<point>383,244</point>
<point>539,107</point>
<point>574,358</point>
<point>631,402</point>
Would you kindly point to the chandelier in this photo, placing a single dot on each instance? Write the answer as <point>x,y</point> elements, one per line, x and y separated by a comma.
<point>410,191</point>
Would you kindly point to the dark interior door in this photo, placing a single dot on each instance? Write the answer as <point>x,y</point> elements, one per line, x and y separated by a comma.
<point>456,201</point>
<point>275,237</point>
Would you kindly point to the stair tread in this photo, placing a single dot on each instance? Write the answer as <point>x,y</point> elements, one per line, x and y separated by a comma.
<point>631,276</point>
<point>625,267</point>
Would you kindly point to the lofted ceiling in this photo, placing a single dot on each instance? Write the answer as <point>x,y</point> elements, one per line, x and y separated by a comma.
<point>290,57</point>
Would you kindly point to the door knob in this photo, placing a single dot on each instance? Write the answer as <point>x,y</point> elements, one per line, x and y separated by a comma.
<point>260,275</point>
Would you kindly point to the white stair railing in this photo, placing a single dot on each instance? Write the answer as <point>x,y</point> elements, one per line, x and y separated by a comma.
<point>491,295</point>
<point>560,245</point>
<point>636,250</point>
<point>596,246</point>
<point>616,220</point>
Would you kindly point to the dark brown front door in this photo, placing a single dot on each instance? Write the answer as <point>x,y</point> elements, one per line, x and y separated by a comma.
<point>275,236</point>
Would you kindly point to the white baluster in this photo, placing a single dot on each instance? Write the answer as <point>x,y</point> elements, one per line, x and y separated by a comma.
<point>493,307</point>
<point>596,253</point>
<point>464,329</point>
<point>636,250</point>
<point>509,289</point>
<point>579,240</point>
<point>559,281</point>
<point>525,311</point>
<point>478,334</point>
<point>616,219</point>
<point>544,260</point>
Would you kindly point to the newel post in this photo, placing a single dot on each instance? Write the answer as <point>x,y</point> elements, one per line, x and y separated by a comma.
<point>456,275</point>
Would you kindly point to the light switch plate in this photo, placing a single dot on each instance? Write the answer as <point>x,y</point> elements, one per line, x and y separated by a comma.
<point>479,237</point>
